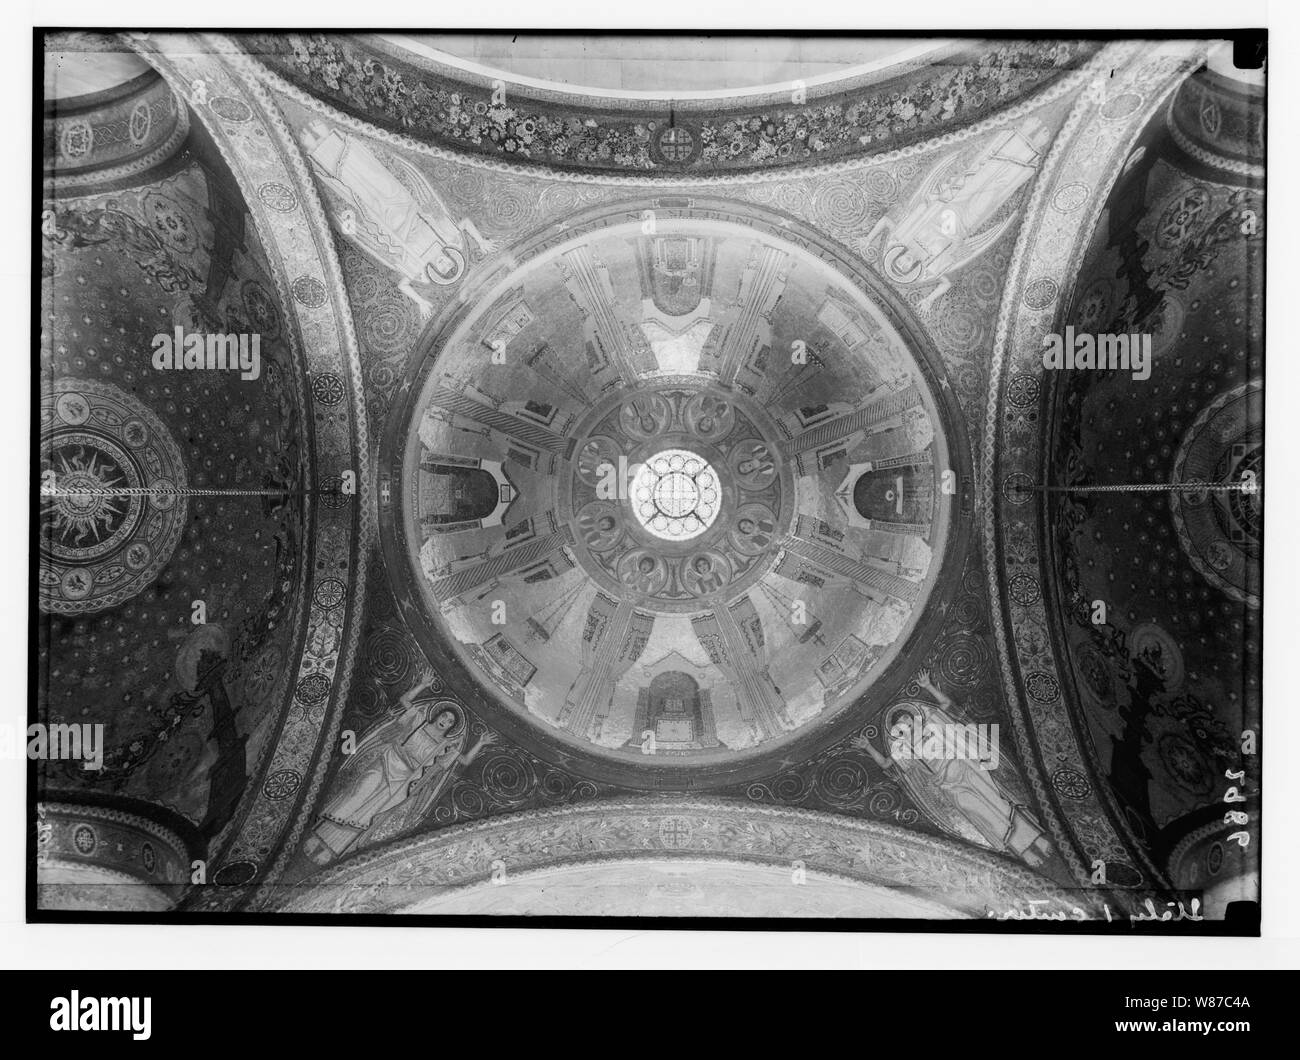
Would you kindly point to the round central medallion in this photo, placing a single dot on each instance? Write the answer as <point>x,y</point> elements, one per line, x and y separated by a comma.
<point>679,493</point>
<point>675,495</point>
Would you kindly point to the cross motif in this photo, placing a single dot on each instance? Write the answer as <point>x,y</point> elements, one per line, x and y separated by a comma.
<point>674,832</point>
<point>676,144</point>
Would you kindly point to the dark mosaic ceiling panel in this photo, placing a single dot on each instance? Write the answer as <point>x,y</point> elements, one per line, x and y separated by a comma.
<point>1170,679</point>
<point>188,708</point>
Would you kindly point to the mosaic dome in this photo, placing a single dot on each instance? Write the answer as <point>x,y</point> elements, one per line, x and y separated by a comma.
<point>673,489</point>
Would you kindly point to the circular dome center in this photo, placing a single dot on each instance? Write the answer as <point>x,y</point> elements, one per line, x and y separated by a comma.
<point>675,495</point>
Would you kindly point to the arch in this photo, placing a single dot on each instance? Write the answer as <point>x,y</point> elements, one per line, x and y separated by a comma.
<point>964,882</point>
<point>290,222</point>
<point>1065,205</point>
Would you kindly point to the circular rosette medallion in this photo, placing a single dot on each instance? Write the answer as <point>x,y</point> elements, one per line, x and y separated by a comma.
<point>754,465</point>
<point>754,531</point>
<point>676,495</point>
<point>708,417</point>
<point>643,571</point>
<point>705,573</point>
<point>598,460</point>
<point>600,525</point>
<point>646,416</point>
<point>111,510</point>
<point>1220,526</point>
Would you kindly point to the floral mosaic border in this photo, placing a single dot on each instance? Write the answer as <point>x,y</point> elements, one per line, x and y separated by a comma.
<point>388,879</point>
<point>939,137</point>
<point>464,113</point>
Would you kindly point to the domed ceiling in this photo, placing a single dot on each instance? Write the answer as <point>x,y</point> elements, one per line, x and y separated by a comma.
<point>676,497</point>
<point>630,477</point>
